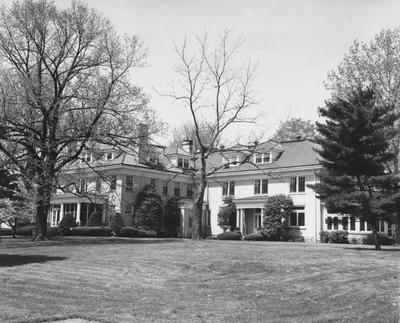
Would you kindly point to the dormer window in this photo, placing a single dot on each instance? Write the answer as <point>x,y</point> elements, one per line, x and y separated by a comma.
<point>87,157</point>
<point>109,156</point>
<point>183,163</point>
<point>262,158</point>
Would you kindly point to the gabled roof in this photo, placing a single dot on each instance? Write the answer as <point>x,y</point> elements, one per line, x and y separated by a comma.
<point>175,151</point>
<point>291,154</point>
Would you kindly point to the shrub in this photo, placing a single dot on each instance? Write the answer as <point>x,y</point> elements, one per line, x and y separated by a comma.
<point>227,214</point>
<point>148,215</point>
<point>335,237</point>
<point>229,235</point>
<point>66,223</point>
<point>383,239</point>
<point>131,232</point>
<point>277,207</point>
<point>255,237</point>
<point>94,219</point>
<point>52,231</point>
<point>117,223</point>
<point>172,217</point>
<point>25,231</point>
<point>92,231</point>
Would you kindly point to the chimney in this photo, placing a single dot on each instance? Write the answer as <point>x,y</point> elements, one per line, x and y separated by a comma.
<point>143,142</point>
<point>187,145</point>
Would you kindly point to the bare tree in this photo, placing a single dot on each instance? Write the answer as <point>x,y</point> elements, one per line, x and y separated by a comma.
<point>294,129</point>
<point>218,93</point>
<point>65,82</point>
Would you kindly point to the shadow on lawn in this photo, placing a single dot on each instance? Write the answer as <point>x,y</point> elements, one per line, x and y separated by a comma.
<point>19,260</point>
<point>391,249</point>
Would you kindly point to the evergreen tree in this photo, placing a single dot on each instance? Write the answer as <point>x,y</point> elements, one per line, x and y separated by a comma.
<point>354,149</point>
<point>227,214</point>
<point>149,211</point>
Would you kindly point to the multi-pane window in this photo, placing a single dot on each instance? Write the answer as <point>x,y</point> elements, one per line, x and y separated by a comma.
<point>98,184</point>
<point>189,190</point>
<point>262,158</point>
<point>186,163</point>
<point>153,183</point>
<point>297,184</point>
<point>128,208</point>
<point>261,186</point>
<point>83,185</point>
<point>297,217</point>
<point>177,190</point>
<point>352,223</point>
<point>165,188</point>
<point>109,156</point>
<point>87,157</point>
<point>233,160</point>
<point>346,221</point>
<point>113,182</point>
<point>129,183</point>
<point>228,188</point>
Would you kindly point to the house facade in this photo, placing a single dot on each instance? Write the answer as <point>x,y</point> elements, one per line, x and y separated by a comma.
<point>287,168</point>
<point>108,181</point>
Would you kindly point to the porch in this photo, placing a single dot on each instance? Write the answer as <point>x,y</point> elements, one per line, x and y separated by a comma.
<point>249,214</point>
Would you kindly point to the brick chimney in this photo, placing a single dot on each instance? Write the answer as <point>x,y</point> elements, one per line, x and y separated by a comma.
<point>143,142</point>
<point>187,145</point>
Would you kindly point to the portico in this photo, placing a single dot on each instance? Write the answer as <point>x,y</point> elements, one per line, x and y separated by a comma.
<point>249,213</point>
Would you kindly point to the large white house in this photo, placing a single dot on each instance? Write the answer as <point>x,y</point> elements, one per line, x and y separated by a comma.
<point>274,168</point>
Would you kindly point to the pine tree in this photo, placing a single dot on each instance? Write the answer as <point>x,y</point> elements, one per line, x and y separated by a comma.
<point>354,149</point>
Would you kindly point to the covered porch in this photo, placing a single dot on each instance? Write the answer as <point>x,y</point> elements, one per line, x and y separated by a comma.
<point>249,214</point>
<point>81,208</point>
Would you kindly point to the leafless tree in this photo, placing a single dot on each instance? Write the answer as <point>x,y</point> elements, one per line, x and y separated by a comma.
<point>218,93</point>
<point>65,82</point>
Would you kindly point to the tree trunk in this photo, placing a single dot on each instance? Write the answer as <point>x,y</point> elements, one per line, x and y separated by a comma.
<point>197,232</point>
<point>375,236</point>
<point>42,209</point>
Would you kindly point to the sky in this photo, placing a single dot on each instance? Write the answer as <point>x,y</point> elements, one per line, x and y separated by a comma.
<point>295,43</point>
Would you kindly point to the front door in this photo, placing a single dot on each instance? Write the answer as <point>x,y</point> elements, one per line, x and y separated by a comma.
<point>55,215</point>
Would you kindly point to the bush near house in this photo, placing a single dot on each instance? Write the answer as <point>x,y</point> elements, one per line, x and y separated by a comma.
<point>149,211</point>
<point>117,223</point>
<point>25,231</point>
<point>383,239</point>
<point>94,219</point>
<point>335,237</point>
<point>172,218</point>
<point>255,237</point>
<point>131,232</point>
<point>276,212</point>
<point>66,223</point>
<point>229,235</point>
<point>87,231</point>
<point>227,214</point>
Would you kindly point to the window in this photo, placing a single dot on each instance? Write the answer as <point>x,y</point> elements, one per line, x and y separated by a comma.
<point>129,208</point>
<point>262,158</point>
<point>297,184</point>
<point>180,162</point>
<point>109,156</point>
<point>70,208</point>
<point>153,183</point>
<point>113,182</point>
<point>362,225</point>
<point>382,225</point>
<point>389,229</point>
<point>345,223</point>
<point>87,157</point>
<point>177,190</point>
<point>190,224</point>
<point>189,190</point>
<point>165,188</point>
<point>261,186</point>
<point>83,185</point>
<point>98,184</point>
<point>297,217</point>
<point>186,163</point>
<point>233,160</point>
<point>228,188</point>
<point>129,183</point>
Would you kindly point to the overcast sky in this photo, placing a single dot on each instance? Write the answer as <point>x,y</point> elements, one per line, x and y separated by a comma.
<point>296,43</point>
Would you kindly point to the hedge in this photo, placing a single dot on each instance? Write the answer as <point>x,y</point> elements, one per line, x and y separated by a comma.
<point>229,235</point>
<point>26,231</point>
<point>255,237</point>
<point>335,237</point>
<point>131,232</point>
<point>383,239</point>
<point>92,231</point>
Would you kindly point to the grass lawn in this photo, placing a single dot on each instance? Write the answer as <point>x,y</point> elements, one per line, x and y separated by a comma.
<point>127,280</point>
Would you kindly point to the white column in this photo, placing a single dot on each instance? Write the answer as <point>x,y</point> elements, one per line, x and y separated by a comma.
<point>183,222</point>
<point>243,221</point>
<point>238,218</point>
<point>262,216</point>
<point>61,211</point>
<point>78,213</point>
<point>357,225</point>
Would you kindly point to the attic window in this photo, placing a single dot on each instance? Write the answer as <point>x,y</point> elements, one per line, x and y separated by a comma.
<point>234,160</point>
<point>87,157</point>
<point>262,158</point>
<point>109,156</point>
